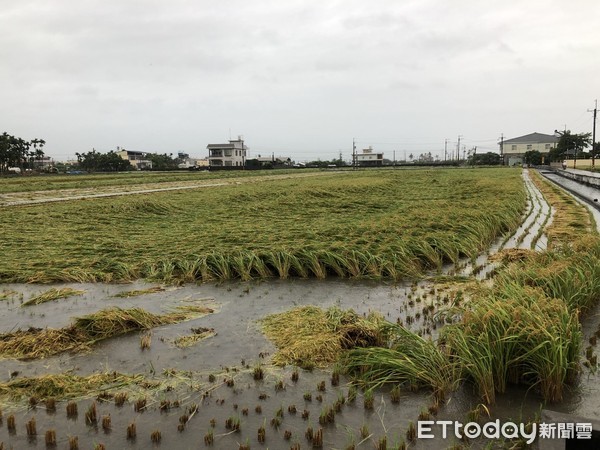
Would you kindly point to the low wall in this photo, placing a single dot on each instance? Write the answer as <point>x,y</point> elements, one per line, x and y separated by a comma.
<point>590,180</point>
<point>582,163</point>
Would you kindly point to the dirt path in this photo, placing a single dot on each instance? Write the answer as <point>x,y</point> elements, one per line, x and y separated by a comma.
<point>37,197</point>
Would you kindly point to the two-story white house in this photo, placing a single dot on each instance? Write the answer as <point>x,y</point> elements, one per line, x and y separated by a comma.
<point>369,158</point>
<point>232,154</point>
<point>514,149</point>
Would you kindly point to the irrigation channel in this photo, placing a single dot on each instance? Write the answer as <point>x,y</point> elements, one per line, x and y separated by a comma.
<point>204,390</point>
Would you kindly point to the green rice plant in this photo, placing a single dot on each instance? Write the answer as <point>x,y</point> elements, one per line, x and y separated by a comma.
<point>569,273</point>
<point>311,260</point>
<point>113,270</point>
<point>409,360</point>
<point>261,267</point>
<point>242,264</point>
<point>52,294</point>
<point>516,334</point>
<point>359,224</point>
<point>220,266</point>
<point>333,263</point>
<point>281,261</point>
<point>189,269</point>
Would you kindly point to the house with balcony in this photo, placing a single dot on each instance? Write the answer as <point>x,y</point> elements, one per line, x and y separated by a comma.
<point>513,150</point>
<point>229,155</point>
<point>136,159</point>
<point>369,158</point>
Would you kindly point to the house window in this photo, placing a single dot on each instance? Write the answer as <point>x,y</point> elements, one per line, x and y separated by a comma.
<point>528,146</point>
<point>513,147</point>
<point>547,146</point>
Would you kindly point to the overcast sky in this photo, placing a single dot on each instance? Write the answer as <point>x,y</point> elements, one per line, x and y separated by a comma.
<point>299,78</point>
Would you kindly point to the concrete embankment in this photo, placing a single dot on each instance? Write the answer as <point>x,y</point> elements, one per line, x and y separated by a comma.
<point>581,176</point>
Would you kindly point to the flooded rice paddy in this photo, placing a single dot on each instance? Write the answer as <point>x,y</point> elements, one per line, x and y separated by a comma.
<point>184,376</point>
<point>207,395</point>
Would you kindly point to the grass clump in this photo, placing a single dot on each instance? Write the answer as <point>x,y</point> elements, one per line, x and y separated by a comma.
<point>68,386</point>
<point>138,292</point>
<point>51,295</point>
<point>7,294</point>
<point>88,330</point>
<point>311,337</point>
<point>198,334</point>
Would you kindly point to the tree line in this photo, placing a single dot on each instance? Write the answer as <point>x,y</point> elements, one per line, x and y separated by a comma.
<point>17,152</point>
<point>111,161</point>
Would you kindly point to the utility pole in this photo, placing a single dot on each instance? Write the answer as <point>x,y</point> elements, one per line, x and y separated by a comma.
<point>594,134</point>
<point>353,154</point>
<point>243,153</point>
<point>394,157</point>
<point>502,148</point>
<point>458,149</point>
<point>445,149</point>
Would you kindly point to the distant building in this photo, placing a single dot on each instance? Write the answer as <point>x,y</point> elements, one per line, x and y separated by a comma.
<point>232,154</point>
<point>369,158</point>
<point>192,163</point>
<point>136,159</point>
<point>42,162</point>
<point>514,149</point>
<point>274,160</point>
<point>202,163</point>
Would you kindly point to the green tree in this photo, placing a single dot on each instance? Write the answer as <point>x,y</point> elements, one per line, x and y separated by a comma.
<point>569,145</point>
<point>484,159</point>
<point>533,157</point>
<point>162,162</point>
<point>15,152</point>
<point>102,162</point>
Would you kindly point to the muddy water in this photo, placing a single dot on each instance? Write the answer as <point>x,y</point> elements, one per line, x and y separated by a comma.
<point>237,344</point>
<point>236,348</point>
<point>239,308</point>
